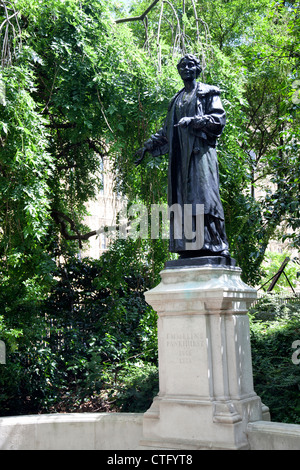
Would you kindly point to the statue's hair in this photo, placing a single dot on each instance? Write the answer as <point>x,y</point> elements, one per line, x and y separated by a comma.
<point>194,59</point>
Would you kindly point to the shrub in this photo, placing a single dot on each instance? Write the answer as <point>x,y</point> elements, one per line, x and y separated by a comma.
<point>138,384</point>
<point>276,377</point>
<point>93,321</point>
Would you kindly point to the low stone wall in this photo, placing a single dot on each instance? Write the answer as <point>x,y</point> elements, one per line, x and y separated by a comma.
<point>71,431</point>
<point>266,435</point>
<point>115,431</point>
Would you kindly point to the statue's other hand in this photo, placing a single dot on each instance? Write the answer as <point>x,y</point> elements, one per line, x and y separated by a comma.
<point>141,154</point>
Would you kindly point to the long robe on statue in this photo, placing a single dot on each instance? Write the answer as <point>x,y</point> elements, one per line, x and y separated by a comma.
<point>193,177</point>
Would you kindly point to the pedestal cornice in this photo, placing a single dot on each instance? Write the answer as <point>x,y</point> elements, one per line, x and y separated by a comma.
<point>201,289</point>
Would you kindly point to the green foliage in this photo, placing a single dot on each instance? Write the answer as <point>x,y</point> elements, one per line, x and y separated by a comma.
<point>74,341</point>
<point>274,327</point>
<point>9,335</point>
<point>26,165</point>
<point>79,87</point>
<point>138,386</point>
<point>90,87</point>
<point>72,89</point>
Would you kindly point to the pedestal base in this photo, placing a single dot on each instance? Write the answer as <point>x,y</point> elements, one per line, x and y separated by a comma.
<point>206,397</point>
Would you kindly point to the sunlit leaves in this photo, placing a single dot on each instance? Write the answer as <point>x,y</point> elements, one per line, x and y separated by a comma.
<point>25,163</point>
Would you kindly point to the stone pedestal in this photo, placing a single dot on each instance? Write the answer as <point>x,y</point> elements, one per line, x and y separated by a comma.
<point>206,397</point>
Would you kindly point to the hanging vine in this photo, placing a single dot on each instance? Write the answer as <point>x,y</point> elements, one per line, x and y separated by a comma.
<point>181,41</point>
<point>10,33</point>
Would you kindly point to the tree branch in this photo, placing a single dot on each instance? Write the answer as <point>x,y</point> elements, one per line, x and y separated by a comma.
<point>61,125</point>
<point>62,220</point>
<point>9,44</point>
<point>138,18</point>
<point>158,37</point>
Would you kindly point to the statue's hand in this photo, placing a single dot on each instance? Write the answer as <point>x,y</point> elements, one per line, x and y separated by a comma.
<point>141,153</point>
<point>184,122</point>
<point>200,122</point>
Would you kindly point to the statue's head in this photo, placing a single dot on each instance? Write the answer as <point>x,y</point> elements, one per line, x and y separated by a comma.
<point>190,58</point>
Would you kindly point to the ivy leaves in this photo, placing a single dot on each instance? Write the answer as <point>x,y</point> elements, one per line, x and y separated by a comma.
<point>25,163</point>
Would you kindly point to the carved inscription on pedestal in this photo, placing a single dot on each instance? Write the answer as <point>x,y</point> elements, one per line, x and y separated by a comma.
<point>182,347</point>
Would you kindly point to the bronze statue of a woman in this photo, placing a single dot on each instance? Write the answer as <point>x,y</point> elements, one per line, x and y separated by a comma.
<point>195,119</point>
